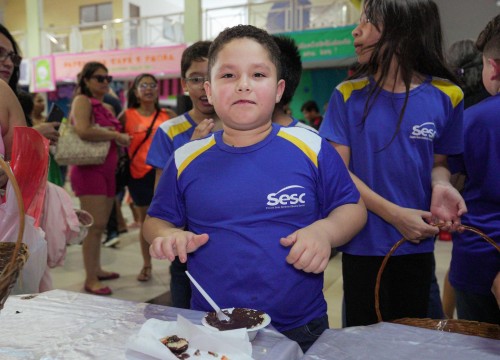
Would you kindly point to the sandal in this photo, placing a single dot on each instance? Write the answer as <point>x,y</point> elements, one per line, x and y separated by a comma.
<point>145,273</point>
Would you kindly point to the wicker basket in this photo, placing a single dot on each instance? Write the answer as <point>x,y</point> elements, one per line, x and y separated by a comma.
<point>465,327</point>
<point>13,255</point>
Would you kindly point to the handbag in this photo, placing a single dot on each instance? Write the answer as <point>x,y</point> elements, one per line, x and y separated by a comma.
<point>123,175</point>
<point>72,150</point>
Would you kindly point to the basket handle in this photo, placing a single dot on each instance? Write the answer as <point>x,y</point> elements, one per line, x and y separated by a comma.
<point>401,241</point>
<point>20,205</point>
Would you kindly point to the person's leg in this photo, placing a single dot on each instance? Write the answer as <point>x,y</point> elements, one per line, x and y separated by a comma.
<point>435,307</point>
<point>99,206</point>
<point>180,287</point>
<point>145,273</point>
<point>112,228</point>
<point>449,302</point>
<point>359,274</point>
<point>477,307</point>
<point>408,282</point>
<point>306,335</point>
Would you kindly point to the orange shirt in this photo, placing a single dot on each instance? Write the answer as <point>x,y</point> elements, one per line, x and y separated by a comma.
<point>136,125</point>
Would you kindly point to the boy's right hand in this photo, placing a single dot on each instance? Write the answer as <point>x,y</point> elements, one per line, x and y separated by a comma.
<point>203,129</point>
<point>180,243</point>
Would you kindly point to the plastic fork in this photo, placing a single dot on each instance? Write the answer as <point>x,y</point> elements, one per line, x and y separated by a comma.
<point>220,315</point>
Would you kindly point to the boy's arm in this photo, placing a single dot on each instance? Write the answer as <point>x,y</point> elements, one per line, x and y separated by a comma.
<point>409,222</point>
<point>312,245</point>
<point>495,289</point>
<point>167,241</point>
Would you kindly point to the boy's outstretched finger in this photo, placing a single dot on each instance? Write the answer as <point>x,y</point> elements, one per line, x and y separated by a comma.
<point>194,242</point>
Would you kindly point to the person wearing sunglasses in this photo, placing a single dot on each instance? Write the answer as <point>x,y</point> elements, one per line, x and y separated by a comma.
<point>142,119</point>
<point>95,185</point>
<point>10,60</point>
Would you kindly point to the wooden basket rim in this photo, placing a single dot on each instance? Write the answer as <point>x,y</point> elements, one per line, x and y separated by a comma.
<point>397,245</point>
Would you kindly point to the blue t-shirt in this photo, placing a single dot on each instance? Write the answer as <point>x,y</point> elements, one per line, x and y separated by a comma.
<point>246,199</point>
<point>297,123</point>
<point>475,262</point>
<point>398,169</point>
<point>171,135</point>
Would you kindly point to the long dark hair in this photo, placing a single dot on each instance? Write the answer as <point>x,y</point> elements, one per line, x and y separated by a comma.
<point>132,100</point>
<point>411,34</point>
<point>14,79</point>
<point>88,70</point>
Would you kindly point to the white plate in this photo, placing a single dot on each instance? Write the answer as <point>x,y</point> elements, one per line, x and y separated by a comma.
<point>252,332</point>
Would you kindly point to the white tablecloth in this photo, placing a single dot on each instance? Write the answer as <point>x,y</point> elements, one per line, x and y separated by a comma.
<point>60,324</point>
<point>392,341</point>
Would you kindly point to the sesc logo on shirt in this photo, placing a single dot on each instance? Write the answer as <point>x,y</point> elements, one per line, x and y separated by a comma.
<point>425,131</point>
<point>288,197</point>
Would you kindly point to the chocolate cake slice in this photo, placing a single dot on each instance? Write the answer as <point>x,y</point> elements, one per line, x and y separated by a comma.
<point>239,318</point>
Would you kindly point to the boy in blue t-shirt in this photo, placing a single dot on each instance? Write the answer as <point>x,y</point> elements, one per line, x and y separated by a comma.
<point>264,204</point>
<point>475,264</point>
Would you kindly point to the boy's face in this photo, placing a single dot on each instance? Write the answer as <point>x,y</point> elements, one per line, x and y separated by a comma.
<point>243,87</point>
<point>193,84</point>
<point>491,75</point>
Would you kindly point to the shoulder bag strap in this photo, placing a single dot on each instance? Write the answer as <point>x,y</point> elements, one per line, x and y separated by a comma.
<point>148,133</point>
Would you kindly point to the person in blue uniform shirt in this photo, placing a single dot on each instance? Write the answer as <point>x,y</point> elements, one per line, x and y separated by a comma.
<point>394,124</point>
<point>475,263</point>
<point>264,204</point>
<point>171,135</point>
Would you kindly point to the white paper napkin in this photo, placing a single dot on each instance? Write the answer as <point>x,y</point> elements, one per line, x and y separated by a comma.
<point>234,344</point>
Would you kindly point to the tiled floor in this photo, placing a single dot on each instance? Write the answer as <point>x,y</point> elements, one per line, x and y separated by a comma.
<point>126,259</point>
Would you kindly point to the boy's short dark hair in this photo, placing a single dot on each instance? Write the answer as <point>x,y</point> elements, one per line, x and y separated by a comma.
<point>291,66</point>
<point>488,41</point>
<point>250,32</point>
<point>196,52</point>
<point>309,106</point>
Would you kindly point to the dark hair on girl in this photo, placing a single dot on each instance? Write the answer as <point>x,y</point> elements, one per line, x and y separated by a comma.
<point>411,34</point>
<point>14,79</point>
<point>467,62</point>
<point>242,32</point>
<point>132,100</point>
<point>88,70</point>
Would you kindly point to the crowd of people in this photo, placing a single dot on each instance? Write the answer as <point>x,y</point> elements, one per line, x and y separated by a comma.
<point>248,197</point>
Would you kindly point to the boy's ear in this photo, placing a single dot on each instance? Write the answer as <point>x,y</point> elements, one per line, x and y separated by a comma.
<point>208,91</point>
<point>280,89</point>
<point>184,86</point>
<point>495,69</point>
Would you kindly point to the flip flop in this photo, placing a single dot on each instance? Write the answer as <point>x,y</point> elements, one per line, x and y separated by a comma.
<point>111,276</point>
<point>102,291</point>
<point>145,273</point>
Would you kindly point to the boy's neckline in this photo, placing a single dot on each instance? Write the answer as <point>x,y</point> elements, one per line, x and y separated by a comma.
<point>240,138</point>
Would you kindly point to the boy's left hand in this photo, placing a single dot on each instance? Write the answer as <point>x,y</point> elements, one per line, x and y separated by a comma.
<point>309,251</point>
<point>447,205</point>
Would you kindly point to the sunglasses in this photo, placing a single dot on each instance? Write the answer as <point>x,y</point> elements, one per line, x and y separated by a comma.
<point>101,78</point>
<point>4,54</point>
<point>144,86</point>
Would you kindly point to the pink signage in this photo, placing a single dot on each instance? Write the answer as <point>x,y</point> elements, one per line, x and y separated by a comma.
<point>123,64</point>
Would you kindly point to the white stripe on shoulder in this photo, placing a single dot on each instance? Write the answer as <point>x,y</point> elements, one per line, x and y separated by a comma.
<point>165,126</point>
<point>190,149</point>
<point>305,126</point>
<point>309,138</point>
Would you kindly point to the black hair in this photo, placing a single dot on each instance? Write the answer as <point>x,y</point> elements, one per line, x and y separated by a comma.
<point>410,33</point>
<point>14,79</point>
<point>250,32</point>
<point>488,41</point>
<point>196,52</point>
<point>88,70</point>
<point>26,101</point>
<point>132,100</point>
<point>467,62</point>
<point>291,66</point>
<point>309,106</point>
